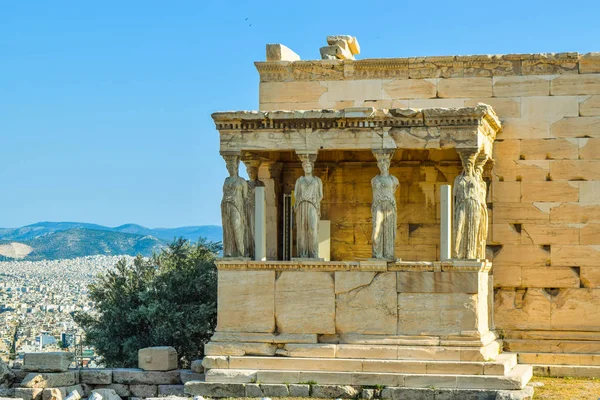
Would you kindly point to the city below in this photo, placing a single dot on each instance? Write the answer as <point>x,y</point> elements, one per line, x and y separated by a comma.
<point>38,300</point>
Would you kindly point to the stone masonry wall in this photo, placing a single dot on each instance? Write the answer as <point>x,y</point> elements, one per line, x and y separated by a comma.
<point>126,382</point>
<point>545,190</point>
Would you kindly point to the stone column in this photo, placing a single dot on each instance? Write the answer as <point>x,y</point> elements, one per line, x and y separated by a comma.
<point>445,222</point>
<point>260,225</point>
<point>269,174</point>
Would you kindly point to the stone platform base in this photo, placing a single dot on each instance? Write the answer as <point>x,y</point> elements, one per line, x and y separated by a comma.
<point>562,371</point>
<point>501,373</point>
<point>221,390</point>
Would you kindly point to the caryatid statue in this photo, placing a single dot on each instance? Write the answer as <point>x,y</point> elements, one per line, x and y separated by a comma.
<point>233,210</point>
<point>470,210</point>
<point>308,194</point>
<point>483,223</point>
<point>383,208</point>
<point>253,183</point>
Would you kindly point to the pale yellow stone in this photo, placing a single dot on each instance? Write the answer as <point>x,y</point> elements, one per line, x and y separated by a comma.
<point>410,88</point>
<point>575,213</point>
<point>590,234</point>
<point>300,364</point>
<point>357,91</point>
<point>305,302</point>
<point>503,106</point>
<point>239,349</point>
<point>447,313</point>
<point>435,103</point>
<point>210,362</point>
<point>347,281</point>
<point>522,255</point>
<point>549,149</point>
<point>449,368</point>
<point>554,191</point>
<point>397,366</point>
<point>326,378</point>
<point>517,213</point>
<point>290,92</point>
<point>246,301</point>
<point>577,127</point>
<point>544,234</point>
<point>537,115</point>
<point>162,358</point>
<point>507,149</point>
<point>504,233</point>
<point>266,376</point>
<point>567,85</point>
<point>522,170</point>
<point>576,309</point>
<point>543,277</point>
<point>507,276</point>
<point>230,376</point>
<point>589,192</point>
<point>588,170</point>
<point>438,282</point>
<point>590,277</point>
<point>310,350</point>
<point>576,256</point>
<point>589,149</point>
<point>369,309</point>
<point>589,63</point>
<point>464,87</point>
<point>506,192</point>
<point>429,353</point>
<point>522,309</point>
<point>590,107</point>
<point>367,351</point>
<point>513,86</point>
<point>279,52</point>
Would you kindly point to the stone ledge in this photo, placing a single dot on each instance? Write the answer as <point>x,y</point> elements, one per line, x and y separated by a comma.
<point>429,67</point>
<point>221,390</point>
<point>332,266</point>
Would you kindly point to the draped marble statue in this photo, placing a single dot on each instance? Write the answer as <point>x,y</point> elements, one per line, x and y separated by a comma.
<point>383,208</point>
<point>470,211</point>
<point>308,193</point>
<point>233,210</point>
<point>483,222</point>
<point>253,183</point>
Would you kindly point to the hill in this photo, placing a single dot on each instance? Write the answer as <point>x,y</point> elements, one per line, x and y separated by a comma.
<point>81,242</point>
<point>212,233</point>
<point>58,240</point>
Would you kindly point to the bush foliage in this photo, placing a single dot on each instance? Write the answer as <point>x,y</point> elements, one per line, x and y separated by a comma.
<point>167,300</point>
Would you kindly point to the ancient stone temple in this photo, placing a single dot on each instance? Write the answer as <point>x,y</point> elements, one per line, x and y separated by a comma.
<point>421,223</point>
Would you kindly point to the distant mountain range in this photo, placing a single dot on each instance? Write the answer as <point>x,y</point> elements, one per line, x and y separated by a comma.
<point>55,240</point>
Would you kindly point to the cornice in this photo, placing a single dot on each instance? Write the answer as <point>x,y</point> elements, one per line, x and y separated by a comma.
<point>422,67</point>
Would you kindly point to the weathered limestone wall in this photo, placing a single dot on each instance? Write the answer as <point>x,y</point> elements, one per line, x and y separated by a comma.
<point>545,192</point>
<point>308,303</point>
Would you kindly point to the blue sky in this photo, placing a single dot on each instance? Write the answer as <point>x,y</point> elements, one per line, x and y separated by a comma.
<point>105,106</point>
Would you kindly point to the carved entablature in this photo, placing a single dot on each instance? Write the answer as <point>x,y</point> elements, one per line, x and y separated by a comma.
<point>422,67</point>
<point>470,129</point>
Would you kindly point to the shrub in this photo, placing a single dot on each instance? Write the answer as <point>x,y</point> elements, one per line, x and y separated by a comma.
<point>167,300</point>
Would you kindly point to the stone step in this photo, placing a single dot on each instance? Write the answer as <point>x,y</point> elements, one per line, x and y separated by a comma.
<point>517,378</point>
<point>359,351</point>
<point>552,346</point>
<point>575,371</point>
<point>502,365</point>
<point>560,359</point>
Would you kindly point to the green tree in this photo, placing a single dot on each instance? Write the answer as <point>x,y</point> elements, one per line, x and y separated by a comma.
<point>168,300</point>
